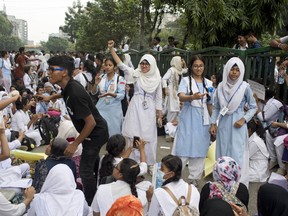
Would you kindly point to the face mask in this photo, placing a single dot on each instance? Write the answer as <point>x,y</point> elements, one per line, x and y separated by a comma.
<point>159,178</point>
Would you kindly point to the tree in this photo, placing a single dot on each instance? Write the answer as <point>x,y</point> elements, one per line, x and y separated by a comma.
<point>56,44</point>
<point>7,41</point>
<point>214,22</point>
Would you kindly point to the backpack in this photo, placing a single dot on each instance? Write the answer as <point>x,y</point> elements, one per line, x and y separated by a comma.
<point>48,128</point>
<point>183,208</point>
<point>27,141</point>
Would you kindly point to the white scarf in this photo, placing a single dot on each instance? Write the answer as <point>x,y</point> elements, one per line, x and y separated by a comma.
<point>232,90</point>
<point>176,67</point>
<point>150,80</point>
<point>58,196</point>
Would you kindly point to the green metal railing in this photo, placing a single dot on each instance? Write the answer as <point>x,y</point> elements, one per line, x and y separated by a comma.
<point>259,63</point>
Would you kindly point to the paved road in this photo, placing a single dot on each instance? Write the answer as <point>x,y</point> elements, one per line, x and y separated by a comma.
<point>164,148</point>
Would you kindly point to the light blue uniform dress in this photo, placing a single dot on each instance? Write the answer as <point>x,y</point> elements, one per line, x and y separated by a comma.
<point>232,141</point>
<point>192,135</point>
<point>109,107</point>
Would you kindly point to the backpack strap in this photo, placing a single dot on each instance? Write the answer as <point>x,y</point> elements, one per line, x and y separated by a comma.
<point>171,194</point>
<point>174,197</point>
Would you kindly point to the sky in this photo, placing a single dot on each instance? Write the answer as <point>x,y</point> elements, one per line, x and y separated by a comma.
<point>43,16</point>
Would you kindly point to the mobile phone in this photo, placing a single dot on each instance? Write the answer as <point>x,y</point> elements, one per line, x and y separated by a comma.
<point>135,138</point>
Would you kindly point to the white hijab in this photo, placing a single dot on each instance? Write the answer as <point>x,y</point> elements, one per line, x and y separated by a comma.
<point>150,80</point>
<point>228,89</point>
<point>58,196</point>
<point>176,64</point>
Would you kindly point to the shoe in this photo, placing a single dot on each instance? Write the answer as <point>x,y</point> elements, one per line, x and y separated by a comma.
<point>281,171</point>
<point>272,164</point>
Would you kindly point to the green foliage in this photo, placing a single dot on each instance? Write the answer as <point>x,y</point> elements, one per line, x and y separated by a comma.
<point>217,22</point>
<point>56,44</point>
<point>7,41</point>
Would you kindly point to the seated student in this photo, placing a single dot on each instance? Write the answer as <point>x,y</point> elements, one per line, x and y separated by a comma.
<point>161,201</point>
<point>272,200</point>
<point>54,106</point>
<point>226,186</point>
<point>115,153</point>
<point>21,121</point>
<point>59,195</point>
<point>56,156</point>
<point>6,208</point>
<point>258,153</point>
<point>125,174</point>
<point>126,205</point>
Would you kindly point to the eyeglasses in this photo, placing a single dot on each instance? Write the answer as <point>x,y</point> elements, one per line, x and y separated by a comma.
<point>198,66</point>
<point>144,64</point>
<point>52,69</point>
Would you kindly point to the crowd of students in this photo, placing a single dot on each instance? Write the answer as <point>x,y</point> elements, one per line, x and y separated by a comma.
<point>246,131</point>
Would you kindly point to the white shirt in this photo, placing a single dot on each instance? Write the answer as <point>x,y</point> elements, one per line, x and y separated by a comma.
<point>8,209</point>
<point>271,111</point>
<point>20,121</point>
<point>163,202</point>
<point>107,194</point>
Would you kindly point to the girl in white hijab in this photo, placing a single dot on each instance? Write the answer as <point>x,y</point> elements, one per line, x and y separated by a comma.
<point>170,83</point>
<point>232,134</point>
<point>140,119</point>
<point>58,196</point>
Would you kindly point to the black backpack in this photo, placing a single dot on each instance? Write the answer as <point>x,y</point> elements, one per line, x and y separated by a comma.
<point>27,141</point>
<point>48,128</point>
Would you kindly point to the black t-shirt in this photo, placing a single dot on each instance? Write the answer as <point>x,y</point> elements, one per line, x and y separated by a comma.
<point>79,105</point>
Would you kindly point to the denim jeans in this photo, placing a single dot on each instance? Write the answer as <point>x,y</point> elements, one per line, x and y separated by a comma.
<point>88,164</point>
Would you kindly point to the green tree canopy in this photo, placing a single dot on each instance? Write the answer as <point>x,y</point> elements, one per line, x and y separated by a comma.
<point>56,44</point>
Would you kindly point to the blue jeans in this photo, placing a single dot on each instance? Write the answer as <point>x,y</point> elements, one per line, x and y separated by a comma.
<point>90,162</point>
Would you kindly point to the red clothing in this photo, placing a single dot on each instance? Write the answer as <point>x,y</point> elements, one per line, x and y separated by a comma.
<point>19,71</point>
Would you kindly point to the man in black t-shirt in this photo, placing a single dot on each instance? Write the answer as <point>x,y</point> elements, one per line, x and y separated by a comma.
<point>92,128</point>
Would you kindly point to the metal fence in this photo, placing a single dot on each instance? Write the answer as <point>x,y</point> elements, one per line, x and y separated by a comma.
<point>259,63</point>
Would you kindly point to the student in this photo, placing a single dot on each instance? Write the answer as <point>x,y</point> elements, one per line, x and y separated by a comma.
<point>162,203</point>
<point>116,153</point>
<point>213,207</point>
<point>232,134</point>
<point>140,119</point>
<point>258,153</point>
<point>92,128</point>
<point>170,82</point>
<point>125,174</point>
<point>192,137</point>
<point>111,90</point>
<point>59,195</point>
<point>226,186</point>
<point>156,44</point>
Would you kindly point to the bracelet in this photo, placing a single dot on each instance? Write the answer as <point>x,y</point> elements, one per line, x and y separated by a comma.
<point>279,45</point>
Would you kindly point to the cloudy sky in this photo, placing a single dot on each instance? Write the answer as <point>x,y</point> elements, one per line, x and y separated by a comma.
<point>43,16</point>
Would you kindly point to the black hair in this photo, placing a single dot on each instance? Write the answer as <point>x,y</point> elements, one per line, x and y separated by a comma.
<point>269,93</point>
<point>110,58</point>
<point>89,65</point>
<point>21,49</point>
<point>58,147</point>
<point>130,170</point>
<point>64,61</point>
<point>174,164</point>
<point>157,39</point>
<point>190,74</point>
<point>91,57</point>
<point>38,87</point>
<point>3,53</point>
<point>2,88</point>
<point>27,68</point>
<point>171,37</point>
<point>21,103</point>
<point>115,146</point>
<point>256,126</point>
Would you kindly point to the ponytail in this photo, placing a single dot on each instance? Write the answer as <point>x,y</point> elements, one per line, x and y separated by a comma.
<point>205,87</point>
<point>106,166</point>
